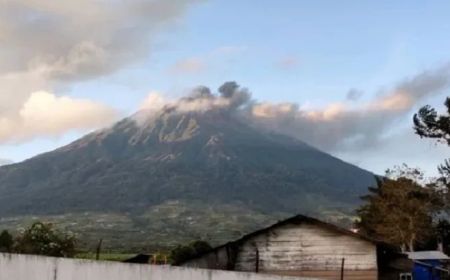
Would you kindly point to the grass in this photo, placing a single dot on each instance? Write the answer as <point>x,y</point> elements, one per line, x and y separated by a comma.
<point>159,229</point>
<point>105,256</point>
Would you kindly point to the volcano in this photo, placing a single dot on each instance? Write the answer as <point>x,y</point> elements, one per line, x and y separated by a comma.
<point>207,172</point>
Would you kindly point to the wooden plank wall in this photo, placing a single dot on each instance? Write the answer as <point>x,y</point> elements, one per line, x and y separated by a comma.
<point>309,250</point>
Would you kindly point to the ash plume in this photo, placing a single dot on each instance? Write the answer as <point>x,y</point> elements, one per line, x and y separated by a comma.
<point>230,97</point>
<point>337,126</point>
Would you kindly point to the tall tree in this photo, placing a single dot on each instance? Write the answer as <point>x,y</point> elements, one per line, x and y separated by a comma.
<point>399,209</point>
<point>428,124</point>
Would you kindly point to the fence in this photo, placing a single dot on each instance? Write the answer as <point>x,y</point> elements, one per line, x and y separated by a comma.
<point>28,267</point>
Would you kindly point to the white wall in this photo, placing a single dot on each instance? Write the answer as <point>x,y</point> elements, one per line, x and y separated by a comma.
<point>27,267</point>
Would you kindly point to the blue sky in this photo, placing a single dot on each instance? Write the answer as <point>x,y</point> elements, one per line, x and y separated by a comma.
<point>306,52</point>
<point>366,45</point>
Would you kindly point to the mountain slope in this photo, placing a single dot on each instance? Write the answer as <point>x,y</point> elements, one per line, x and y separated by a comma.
<point>210,158</point>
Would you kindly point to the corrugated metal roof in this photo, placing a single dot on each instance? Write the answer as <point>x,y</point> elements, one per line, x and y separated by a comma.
<point>427,255</point>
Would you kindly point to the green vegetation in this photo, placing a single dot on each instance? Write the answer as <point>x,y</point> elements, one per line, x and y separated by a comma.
<point>429,124</point>
<point>159,228</point>
<point>400,209</point>
<point>6,241</point>
<point>40,239</point>
<point>442,235</point>
<point>104,256</point>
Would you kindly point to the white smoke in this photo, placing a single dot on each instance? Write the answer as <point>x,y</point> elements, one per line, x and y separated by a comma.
<point>336,127</point>
<point>229,97</point>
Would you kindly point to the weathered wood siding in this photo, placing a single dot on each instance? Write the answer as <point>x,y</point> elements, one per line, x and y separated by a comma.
<point>308,249</point>
<point>297,249</point>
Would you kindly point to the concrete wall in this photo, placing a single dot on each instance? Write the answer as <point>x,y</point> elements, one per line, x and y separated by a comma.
<point>27,267</point>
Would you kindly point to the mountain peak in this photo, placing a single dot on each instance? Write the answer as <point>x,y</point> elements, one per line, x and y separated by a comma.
<point>178,153</point>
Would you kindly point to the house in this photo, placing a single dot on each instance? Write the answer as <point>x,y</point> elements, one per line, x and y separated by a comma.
<point>428,265</point>
<point>304,246</point>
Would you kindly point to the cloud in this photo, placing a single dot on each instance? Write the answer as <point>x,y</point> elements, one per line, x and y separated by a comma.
<point>202,62</point>
<point>341,126</point>
<point>154,102</point>
<point>81,39</point>
<point>189,66</point>
<point>287,63</point>
<point>399,146</point>
<point>5,161</point>
<point>354,94</point>
<point>47,45</point>
<point>228,50</point>
<point>46,114</point>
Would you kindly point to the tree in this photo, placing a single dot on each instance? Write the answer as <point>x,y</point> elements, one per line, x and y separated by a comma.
<point>182,253</point>
<point>443,235</point>
<point>399,210</point>
<point>428,124</point>
<point>440,239</point>
<point>6,242</point>
<point>43,239</point>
